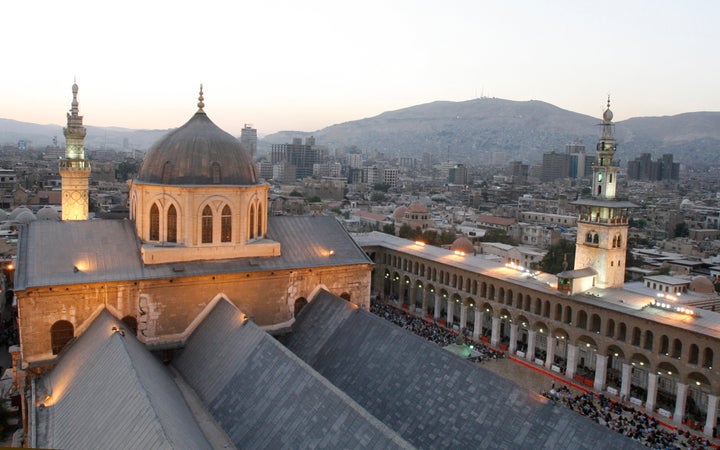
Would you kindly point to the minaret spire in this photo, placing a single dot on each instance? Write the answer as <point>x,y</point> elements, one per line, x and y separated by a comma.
<point>74,169</point>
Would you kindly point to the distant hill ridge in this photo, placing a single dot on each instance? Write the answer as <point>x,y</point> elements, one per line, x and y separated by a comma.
<point>477,131</point>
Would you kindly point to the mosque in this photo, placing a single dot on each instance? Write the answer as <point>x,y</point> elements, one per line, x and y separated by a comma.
<point>160,331</point>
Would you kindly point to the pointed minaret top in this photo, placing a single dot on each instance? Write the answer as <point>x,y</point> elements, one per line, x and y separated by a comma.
<point>200,104</point>
<point>74,104</point>
<point>608,115</point>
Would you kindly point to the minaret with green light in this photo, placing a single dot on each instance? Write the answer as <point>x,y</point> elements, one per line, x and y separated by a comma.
<point>74,168</point>
<point>602,226</point>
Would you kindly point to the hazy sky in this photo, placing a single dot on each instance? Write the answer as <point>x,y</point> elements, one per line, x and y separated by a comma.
<point>304,65</point>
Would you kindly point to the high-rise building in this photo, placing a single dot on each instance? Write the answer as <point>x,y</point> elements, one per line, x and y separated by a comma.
<point>74,168</point>
<point>458,174</point>
<point>644,168</point>
<point>248,138</point>
<point>518,172</point>
<point>555,166</point>
<point>302,156</point>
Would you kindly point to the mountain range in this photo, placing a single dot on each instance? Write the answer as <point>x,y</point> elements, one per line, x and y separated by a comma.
<point>479,131</point>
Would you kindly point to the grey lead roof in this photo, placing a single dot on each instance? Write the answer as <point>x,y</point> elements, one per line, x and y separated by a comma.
<point>107,391</point>
<point>431,397</point>
<point>108,250</point>
<point>264,396</point>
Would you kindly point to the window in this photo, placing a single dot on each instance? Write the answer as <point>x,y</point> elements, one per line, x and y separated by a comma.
<point>154,223</point>
<point>61,333</point>
<point>226,225</point>
<point>207,225</point>
<point>252,223</point>
<point>215,172</point>
<point>172,224</point>
<point>259,221</point>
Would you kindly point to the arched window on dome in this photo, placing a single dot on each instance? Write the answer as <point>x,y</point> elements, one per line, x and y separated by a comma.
<point>207,225</point>
<point>215,172</point>
<point>259,221</point>
<point>226,225</point>
<point>251,234</point>
<point>154,223</point>
<point>167,172</point>
<point>172,224</point>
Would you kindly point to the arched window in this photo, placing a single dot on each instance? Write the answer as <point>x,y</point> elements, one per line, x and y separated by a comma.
<point>61,332</point>
<point>619,241</point>
<point>708,358</point>
<point>207,225</point>
<point>596,238</point>
<point>259,221</point>
<point>299,304</point>
<point>226,225</point>
<point>154,223</point>
<point>648,345</point>
<point>694,354</point>
<point>589,237</point>
<point>215,172</point>
<point>252,222</point>
<point>172,224</point>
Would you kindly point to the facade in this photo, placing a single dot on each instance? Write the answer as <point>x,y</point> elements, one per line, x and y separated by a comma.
<point>644,168</point>
<point>74,168</point>
<point>299,154</point>
<point>198,229</point>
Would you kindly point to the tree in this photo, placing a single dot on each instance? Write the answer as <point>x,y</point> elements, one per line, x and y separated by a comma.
<point>406,232</point>
<point>388,228</point>
<point>681,230</point>
<point>377,196</point>
<point>553,260</point>
<point>498,235</point>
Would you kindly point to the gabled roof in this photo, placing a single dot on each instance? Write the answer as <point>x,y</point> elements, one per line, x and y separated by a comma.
<point>264,396</point>
<point>108,391</point>
<point>431,397</point>
<point>107,250</point>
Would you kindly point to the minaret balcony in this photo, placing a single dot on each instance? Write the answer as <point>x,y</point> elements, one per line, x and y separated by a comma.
<point>589,218</point>
<point>78,165</point>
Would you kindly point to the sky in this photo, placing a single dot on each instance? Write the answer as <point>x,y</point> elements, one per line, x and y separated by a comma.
<point>302,66</point>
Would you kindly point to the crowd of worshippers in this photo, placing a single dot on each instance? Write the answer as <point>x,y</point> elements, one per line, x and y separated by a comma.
<point>626,420</point>
<point>431,330</point>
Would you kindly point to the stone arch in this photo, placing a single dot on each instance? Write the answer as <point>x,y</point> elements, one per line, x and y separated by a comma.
<point>648,342</point>
<point>299,304</point>
<point>595,323</point>
<point>558,312</point>
<point>537,310</point>
<point>206,225</point>
<point>622,332</point>
<point>171,224</point>
<point>615,351</point>
<point>636,336</point>
<point>664,345</point>
<point>509,297</point>
<point>586,341</point>
<point>560,333</point>
<point>61,332</point>
<point>568,315</point>
<point>491,292</point>
<point>501,294</point>
<point>519,301</point>
<point>154,230</point>
<point>546,309</point>
<point>581,319</point>
<point>676,348</point>
<point>665,368</point>
<point>483,289</point>
<point>526,305</point>
<point>708,356</point>
<point>610,328</point>
<point>540,327</point>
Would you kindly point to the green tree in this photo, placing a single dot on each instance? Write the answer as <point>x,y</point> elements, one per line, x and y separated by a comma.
<point>553,260</point>
<point>681,230</point>
<point>447,238</point>
<point>377,196</point>
<point>498,235</point>
<point>381,187</point>
<point>388,228</point>
<point>406,232</point>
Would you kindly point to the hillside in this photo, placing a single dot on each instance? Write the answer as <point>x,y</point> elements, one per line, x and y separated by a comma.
<point>480,131</point>
<point>473,131</point>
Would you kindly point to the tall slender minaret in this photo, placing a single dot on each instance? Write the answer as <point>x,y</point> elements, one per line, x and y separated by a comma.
<point>74,169</point>
<point>603,222</point>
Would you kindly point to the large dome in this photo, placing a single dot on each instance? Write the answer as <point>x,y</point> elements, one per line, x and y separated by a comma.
<point>198,152</point>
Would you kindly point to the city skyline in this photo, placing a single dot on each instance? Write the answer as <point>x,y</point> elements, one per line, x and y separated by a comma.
<point>287,66</point>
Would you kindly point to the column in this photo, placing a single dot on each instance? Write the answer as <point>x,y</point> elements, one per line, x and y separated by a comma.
<point>711,414</point>
<point>401,291</point>
<point>478,323</point>
<point>651,392</point>
<point>450,313</point>
<point>600,372</point>
<point>463,315</point>
<point>571,361</point>
<point>680,399</point>
<point>512,348</point>
<point>438,305</point>
<point>625,381</point>
<point>424,302</point>
<point>550,352</point>
<point>495,335</point>
<point>530,355</point>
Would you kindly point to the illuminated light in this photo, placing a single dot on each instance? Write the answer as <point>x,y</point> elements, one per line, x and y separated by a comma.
<point>420,243</point>
<point>661,295</point>
<point>331,252</point>
<point>616,355</point>
<point>10,267</point>
<point>669,373</point>
<point>697,383</point>
<point>588,344</point>
<point>407,281</point>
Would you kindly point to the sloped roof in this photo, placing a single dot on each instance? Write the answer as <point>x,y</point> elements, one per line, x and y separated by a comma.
<point>432,397</point>
<point>264,396</point>
<point>108,391</point>
<point>107,250</point>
